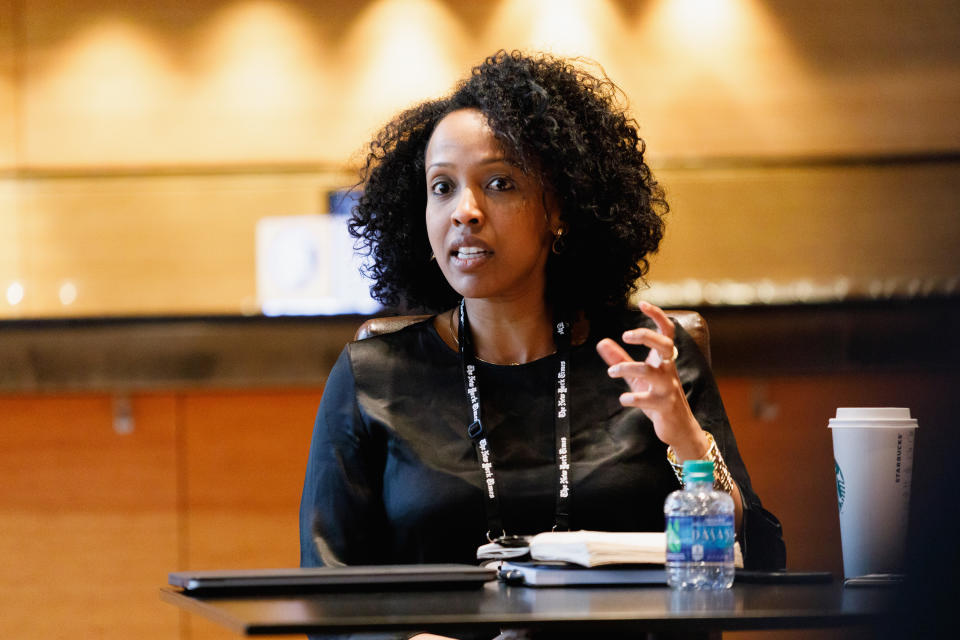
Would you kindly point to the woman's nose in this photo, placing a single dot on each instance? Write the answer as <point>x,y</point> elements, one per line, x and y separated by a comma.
<point>467,211</point>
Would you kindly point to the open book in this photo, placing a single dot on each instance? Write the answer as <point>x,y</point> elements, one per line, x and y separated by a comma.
<point>596,548</point>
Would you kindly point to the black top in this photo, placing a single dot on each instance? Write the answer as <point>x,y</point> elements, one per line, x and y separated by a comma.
<point>392,476</point>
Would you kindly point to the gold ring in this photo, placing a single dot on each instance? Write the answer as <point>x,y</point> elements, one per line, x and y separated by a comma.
<point>673,357</point>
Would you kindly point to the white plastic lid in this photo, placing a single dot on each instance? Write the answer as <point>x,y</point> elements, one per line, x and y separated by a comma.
<point>876,416</point>
<point>873,413</point>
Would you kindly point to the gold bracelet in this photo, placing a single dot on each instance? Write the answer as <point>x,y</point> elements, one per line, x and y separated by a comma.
<point>721,474</point>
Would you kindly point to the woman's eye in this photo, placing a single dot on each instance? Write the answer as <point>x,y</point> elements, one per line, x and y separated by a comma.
<point>440,188</point>
<point>501,184</point>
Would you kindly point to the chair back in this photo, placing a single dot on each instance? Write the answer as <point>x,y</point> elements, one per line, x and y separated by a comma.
<point>691,321</point>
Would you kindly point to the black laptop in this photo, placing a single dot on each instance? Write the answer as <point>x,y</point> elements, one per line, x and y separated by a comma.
<point>352,578</point>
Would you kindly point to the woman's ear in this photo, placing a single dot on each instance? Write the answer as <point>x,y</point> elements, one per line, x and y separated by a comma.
<point>551,212</point>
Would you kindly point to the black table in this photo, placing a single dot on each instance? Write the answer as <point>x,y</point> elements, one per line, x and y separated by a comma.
<point>597,609</point>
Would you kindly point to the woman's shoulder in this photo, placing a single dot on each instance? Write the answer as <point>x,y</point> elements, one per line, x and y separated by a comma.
<point>414,342</point>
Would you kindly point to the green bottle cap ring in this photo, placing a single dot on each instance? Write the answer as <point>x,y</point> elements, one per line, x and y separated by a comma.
<point>698,470</point>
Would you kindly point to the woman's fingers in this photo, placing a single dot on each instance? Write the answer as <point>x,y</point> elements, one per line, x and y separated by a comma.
<point>612,353</point>
<point>654,397</point>
<point>658,343</point>
<point>655,387</point>
<point>632,369</point>
<point>650,383</point>
<point>655,313</point>
<point>638,399</point>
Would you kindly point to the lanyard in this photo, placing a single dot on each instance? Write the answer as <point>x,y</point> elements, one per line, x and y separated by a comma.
<point>477,434</point>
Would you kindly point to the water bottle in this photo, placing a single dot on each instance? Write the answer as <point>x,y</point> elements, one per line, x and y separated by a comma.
<point>700,531</point>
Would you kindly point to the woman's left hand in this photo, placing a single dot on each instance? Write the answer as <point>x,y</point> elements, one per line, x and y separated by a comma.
<point>654,384</point>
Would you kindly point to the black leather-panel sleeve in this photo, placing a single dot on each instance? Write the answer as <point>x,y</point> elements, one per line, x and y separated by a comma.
<point>341,510</point>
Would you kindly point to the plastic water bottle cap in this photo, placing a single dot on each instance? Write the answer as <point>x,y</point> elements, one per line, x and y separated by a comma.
<point>698,470</point>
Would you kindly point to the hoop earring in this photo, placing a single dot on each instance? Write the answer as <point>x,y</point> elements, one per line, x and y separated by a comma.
<point>559,243</point>
<point>433,258</point>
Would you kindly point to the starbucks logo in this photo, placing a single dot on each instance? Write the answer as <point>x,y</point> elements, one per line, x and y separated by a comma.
<point>841,487</point>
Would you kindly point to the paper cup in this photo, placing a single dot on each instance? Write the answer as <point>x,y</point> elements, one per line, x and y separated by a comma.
<point>873,460</point>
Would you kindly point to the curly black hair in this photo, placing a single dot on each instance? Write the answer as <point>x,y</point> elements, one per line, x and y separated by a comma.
<point>553,118</point>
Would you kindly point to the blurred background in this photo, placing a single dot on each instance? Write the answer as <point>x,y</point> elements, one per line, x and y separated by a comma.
<point>175,280</point>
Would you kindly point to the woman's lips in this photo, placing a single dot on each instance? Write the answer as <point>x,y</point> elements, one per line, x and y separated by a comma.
<point>470,257</point>
<point>470,252</point>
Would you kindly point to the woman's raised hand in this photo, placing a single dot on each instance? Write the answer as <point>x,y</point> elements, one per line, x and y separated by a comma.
<point>654,384</point>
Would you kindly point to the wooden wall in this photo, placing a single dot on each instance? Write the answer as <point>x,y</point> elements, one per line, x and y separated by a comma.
<point>89,517</point>
<point>109,83</point>
<point>803,140</point>
<point>93,519</point>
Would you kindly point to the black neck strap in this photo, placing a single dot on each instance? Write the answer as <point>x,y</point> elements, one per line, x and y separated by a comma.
<point>477,434</point>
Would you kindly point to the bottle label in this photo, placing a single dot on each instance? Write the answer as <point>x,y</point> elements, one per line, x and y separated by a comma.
<point>700,538</point>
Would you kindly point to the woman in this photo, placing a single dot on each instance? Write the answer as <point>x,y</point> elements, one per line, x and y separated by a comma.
<point>521,211</point>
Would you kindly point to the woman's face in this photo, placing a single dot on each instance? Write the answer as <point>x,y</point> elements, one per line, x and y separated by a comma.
<point>489,225</point>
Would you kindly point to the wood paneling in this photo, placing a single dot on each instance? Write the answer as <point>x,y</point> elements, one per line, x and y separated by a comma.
<point>781,427</point>
<point>880,222</point>
<point>93,520</point>
<point>245,458</point>
<point>11,247</point>
<point>256,440</point>
<point>185,244</point>
<point>112,83</point>
<point>88,517</point>
<point>9,94</point>
<point>148,245</point>
<point>100,87</point>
